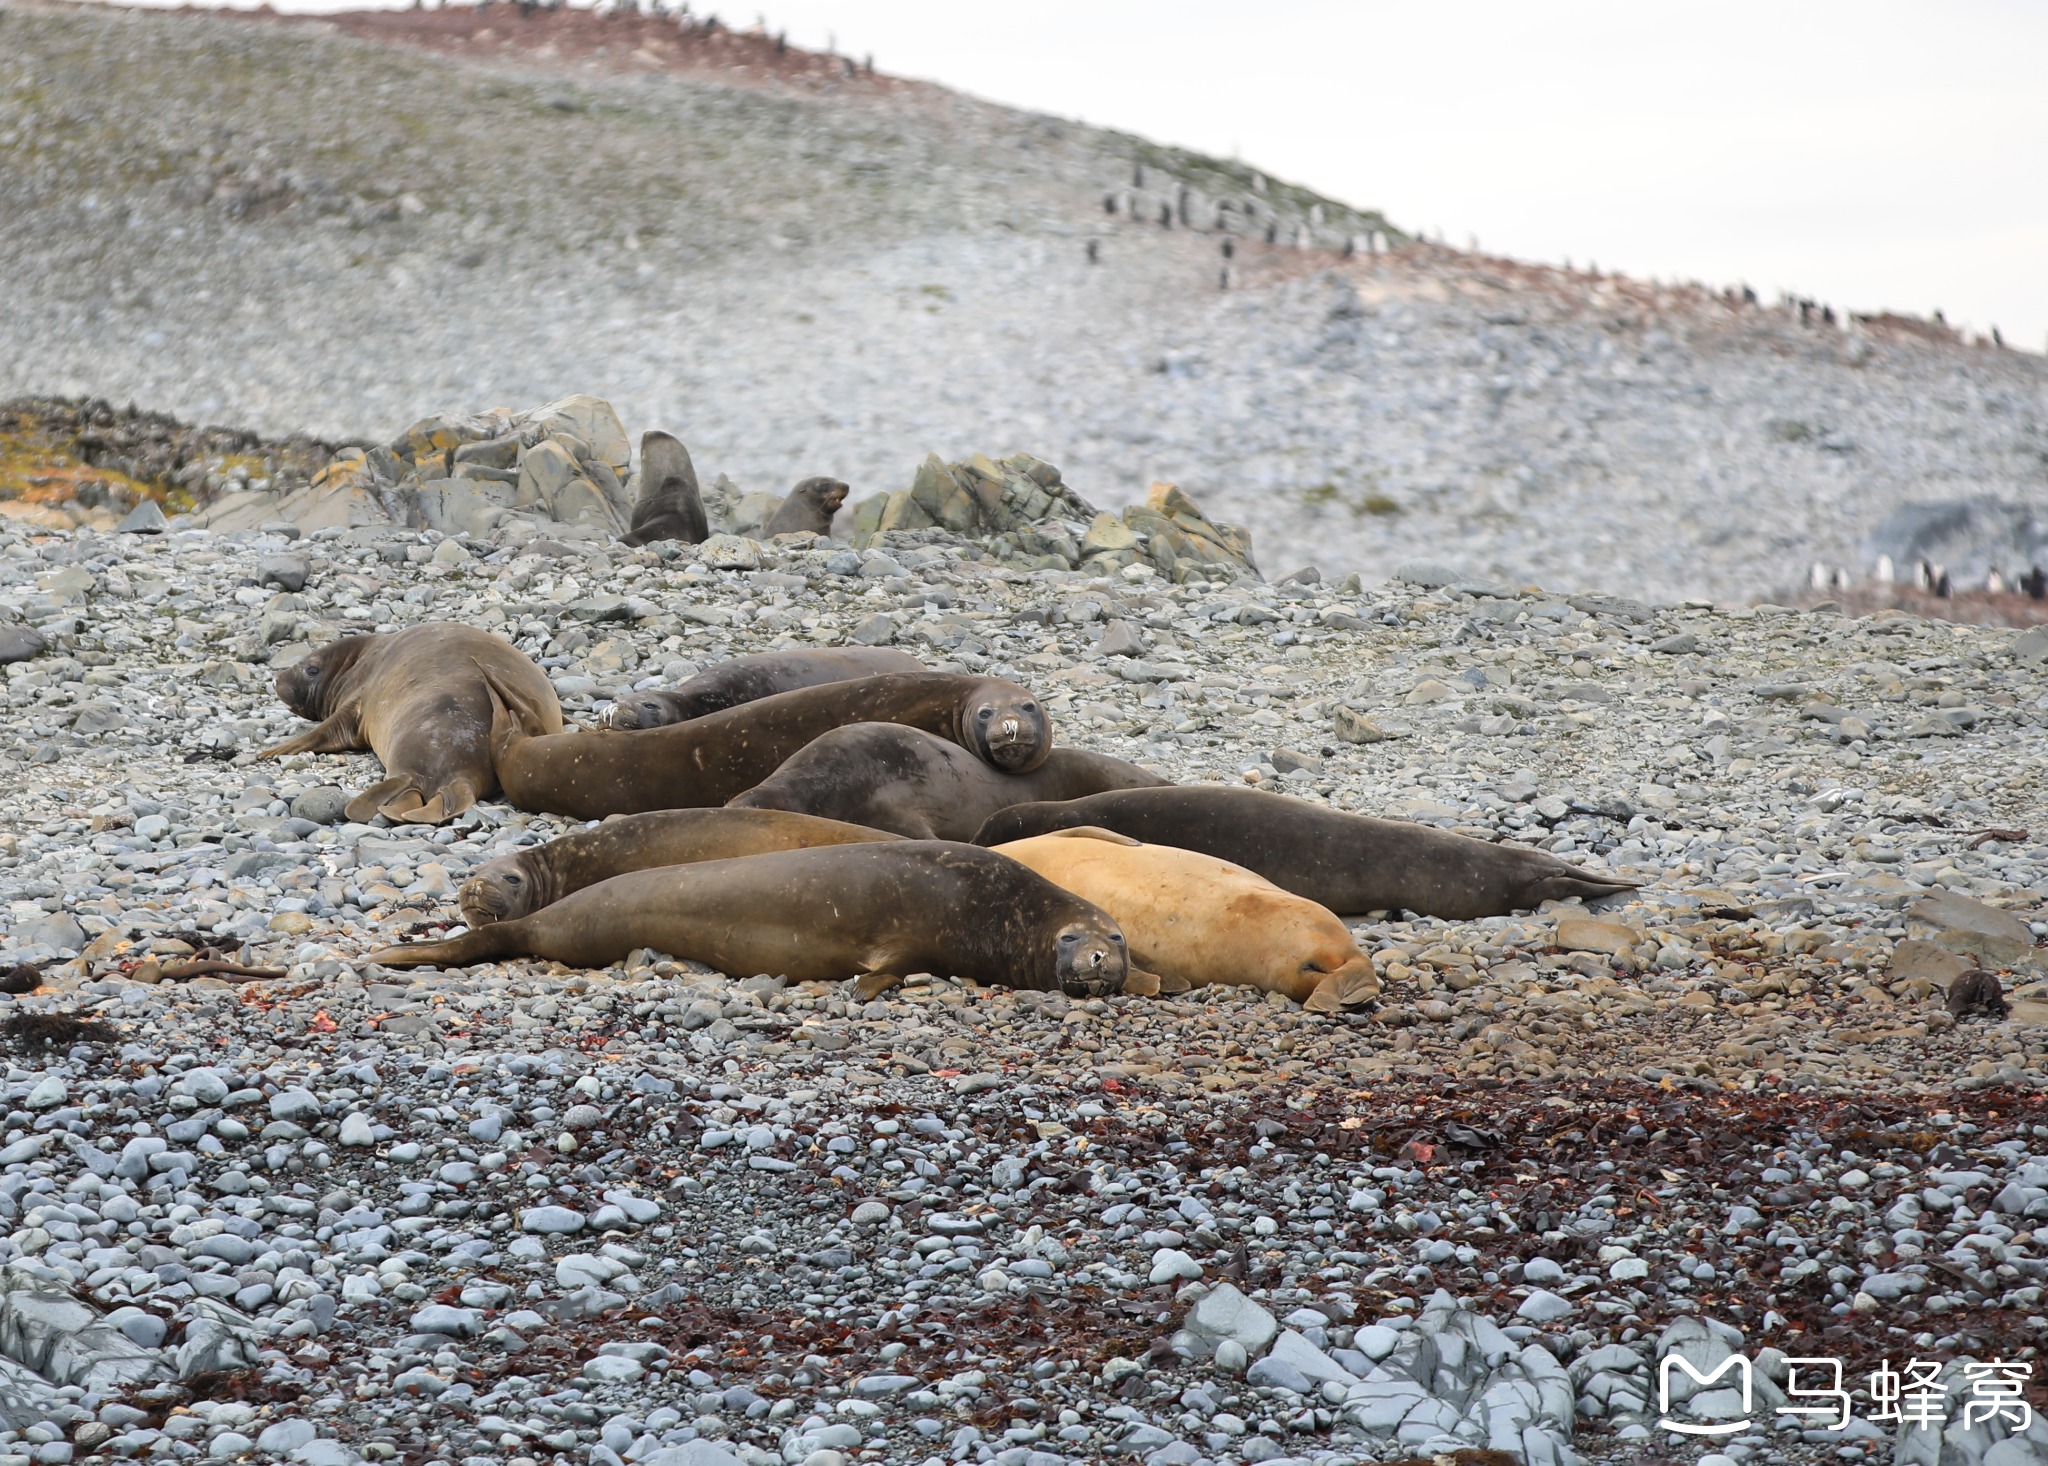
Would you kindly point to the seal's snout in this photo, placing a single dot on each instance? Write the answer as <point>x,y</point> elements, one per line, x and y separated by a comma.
<point>1092,965</point>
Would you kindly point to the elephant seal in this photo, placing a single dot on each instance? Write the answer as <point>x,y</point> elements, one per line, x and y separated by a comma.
<point>745,679</point>
<point>514,885</point>
<point>424,701</point>
<point>809,507</point>
<point>670,507</point>
<point>820,915</point>
<point>1347,862</point>
<point>1193,916</point>
<point>889,777</point>
<point>708,760</point>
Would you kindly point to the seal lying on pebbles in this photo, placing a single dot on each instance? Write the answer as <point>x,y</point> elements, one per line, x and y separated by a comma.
<point>1347,862</point>
<point>670,507</point>
<point>1196,917</point>
<point>747,679</point>
<point>514,885</point>
<point>422,700</point>
<point>821,915</point>
<point>708,760</point>
<point>890,777</point>
<point>809,507</point>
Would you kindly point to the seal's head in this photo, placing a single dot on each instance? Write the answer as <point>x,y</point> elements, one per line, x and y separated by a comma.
<point>1005,727</point>
<point>501,890</point>
<point>826,493</point>
<point>1091,961</point>
<point>638,710</point>
<point>305,685</point>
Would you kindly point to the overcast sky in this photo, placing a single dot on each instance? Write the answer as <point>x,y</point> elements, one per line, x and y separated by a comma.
<point>1875,155</point>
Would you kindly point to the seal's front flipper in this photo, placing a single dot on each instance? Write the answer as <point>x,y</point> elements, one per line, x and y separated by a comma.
<point>337,734</point>
<point>1139,983</point>
<point>1092,832</point>
<point>1347,987</point>
<point>872,985</point>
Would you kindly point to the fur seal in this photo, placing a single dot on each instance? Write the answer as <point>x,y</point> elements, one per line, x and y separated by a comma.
<point>809,507</point>
<point>1977,992</point>
<point>1347,862</point>
<point>820,915</point>
<point>670,507</point>
<point>745,679</point>
<point>423,700</point>
<point>708,760</point>
<point>889,777</point>
<point>514,885</point>
<point>1196,917</point>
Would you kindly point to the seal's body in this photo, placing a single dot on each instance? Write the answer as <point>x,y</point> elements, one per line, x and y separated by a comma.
<point>1196,917</point>
<point>751,678</point>
<point>809,508</point>
<point>1346,862</point>
<point>890,777</point>
<point>709,760</point>
<point>819,915</point>
<point>670,507</point>
<point>421,700</point>
<point>515,885</point>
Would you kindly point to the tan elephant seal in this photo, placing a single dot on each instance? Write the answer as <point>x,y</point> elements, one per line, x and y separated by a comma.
<point>821,915</point>
<point>422,701</point>
<point>1193,916</point>
<point>708,760</point>
<point>1347,862</point>
<point>751,678</point>
<point>809,507</point>
<point>890,777</point>
<point>515,885</point>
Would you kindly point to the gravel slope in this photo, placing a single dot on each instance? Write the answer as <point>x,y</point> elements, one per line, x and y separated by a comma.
<point>805,275</point>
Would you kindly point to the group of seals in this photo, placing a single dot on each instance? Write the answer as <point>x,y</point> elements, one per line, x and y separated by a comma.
<point>820,915</point>
<point>1350,863</point>
<point>671,505</point>
<point>422,700</point>
<point>711,759</point>
<point>748,679</point>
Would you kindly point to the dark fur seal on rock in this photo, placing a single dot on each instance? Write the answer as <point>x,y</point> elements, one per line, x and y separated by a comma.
<point>747,679</point>
<point>821,915</point>
<point>708,760</point>
<point>514,885</point>
<point>889,777</point>
<point>1976,992</point>
<point>670,507</point>
<point>1346,862</point>
<point>423,701</point>
<point>809,507</point>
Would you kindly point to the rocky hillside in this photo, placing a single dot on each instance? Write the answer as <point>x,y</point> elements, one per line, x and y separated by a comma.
<point>803,268</point>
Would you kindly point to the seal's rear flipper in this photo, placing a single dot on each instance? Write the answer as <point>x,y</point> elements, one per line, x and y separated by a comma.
<point>1347,987</point>
<point>1092,832</point>
<point>1586,885</point>
<point>376,799</point>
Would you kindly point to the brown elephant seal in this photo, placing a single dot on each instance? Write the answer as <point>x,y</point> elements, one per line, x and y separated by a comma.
<point>809,507</point>
<point>1191,916</point>
<point>670,507</point>
<point>422,700</point>
<point>514,885</point>
<point>1347,862</point>
<point>820,915</point>
<point>748,679</point>
<point>708,760</point>
<point>889,777</point>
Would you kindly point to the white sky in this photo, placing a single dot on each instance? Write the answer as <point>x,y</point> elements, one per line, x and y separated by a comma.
<point>1876,155</point>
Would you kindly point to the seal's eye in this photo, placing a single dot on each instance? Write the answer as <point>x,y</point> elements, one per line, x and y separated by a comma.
<point>1030,707</point>
<point>1067,939</point>
<point>1117,937</point>
<point>512,880</point>
<point>984,715</point>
